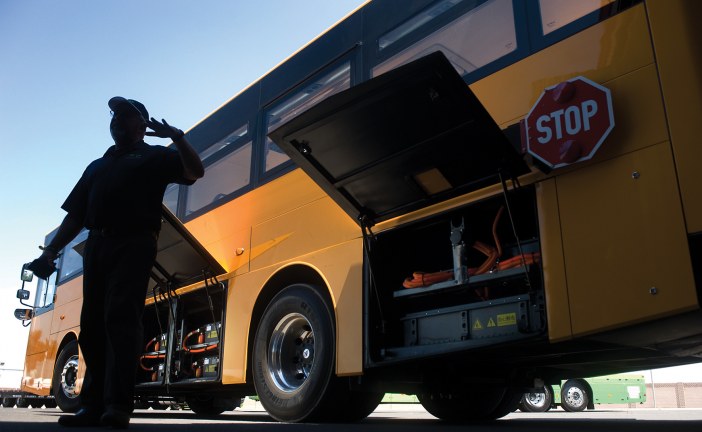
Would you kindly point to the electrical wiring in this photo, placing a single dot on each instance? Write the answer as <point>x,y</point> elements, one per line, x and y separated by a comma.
<point>491,264</point>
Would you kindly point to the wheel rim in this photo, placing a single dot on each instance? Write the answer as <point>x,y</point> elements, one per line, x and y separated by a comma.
<point>574,397</point>
<point>537,400</point>
<point>291,352</point>
<point>69,375</point>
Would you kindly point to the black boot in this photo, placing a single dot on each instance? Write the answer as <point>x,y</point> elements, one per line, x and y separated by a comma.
<point>83,418</point>
<point>116,419</point>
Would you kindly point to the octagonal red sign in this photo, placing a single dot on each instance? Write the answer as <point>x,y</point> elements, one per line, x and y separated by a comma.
<point>569,122</point>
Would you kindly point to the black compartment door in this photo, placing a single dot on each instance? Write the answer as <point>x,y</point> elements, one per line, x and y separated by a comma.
<point>181,259</point>
<point>409,138</point>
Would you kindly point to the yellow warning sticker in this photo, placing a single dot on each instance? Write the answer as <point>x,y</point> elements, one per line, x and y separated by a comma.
<point>491,323</point>
<point>477,325</point>
<point>506,319</point>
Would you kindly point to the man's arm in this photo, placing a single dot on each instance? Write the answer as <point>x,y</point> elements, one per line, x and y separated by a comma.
<point>192,165</point>
<point>67,231</point>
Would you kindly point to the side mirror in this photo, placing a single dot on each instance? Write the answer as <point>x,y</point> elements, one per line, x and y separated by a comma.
<point>24,314</point>
<point>23,294</point>
<point>27,275</point>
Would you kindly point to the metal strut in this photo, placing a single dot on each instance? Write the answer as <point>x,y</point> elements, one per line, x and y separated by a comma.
<point>515,182</point>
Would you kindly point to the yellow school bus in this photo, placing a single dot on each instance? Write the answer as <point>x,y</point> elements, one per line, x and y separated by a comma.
<point>463,200</point>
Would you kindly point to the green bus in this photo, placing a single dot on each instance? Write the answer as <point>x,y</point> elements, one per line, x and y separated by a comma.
<point>577,394</point>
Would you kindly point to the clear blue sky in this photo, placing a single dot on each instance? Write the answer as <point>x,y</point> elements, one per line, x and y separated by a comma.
<point>61,60</point>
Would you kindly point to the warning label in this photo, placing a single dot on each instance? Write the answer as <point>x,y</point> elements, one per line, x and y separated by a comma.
<point>507,319</point>
<point>477,325</point>
<point>491,323</point>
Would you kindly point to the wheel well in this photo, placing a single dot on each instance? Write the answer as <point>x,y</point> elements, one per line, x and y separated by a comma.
<point>297,273</point>
<point>70,337</point>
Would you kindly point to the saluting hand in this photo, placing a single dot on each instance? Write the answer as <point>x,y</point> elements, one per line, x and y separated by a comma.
<point>163,129</point>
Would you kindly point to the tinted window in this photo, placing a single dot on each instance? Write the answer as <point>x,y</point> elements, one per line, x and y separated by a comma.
<point>227,169</point>
<point>170,198</point>
<point>476,38</point>
<point>71,261</point>
<point>418,21</point>
<point>298,102</point>
<point>45,292</point>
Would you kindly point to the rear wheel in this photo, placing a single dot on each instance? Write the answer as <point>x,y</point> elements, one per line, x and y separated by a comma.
<point>483,404</point>
<point>9,402</point>
<point>536,402</point>
<point>208,405</point>
<point>293,356</point>
<point>65,377</point>
<point>158,406</point>
<point>574,396</point>
<point>359,405</point>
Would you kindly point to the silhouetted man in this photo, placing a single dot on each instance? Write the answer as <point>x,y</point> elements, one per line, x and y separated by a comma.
<point>118,199</point>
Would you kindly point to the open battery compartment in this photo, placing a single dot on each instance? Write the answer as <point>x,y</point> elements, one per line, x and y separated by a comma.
<point>421,303</point>
<point>183,329</point>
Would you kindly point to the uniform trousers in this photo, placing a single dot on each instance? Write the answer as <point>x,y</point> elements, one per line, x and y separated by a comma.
<point>116,271</point>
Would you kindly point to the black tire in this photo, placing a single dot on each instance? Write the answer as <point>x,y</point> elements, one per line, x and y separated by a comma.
<point>158,406</point>
<point>293,356</point>
<point>65,377</point>
<point>210,406</point>
<point>50,403</point>
<point>9,402</point>
<point>359,406</point>
<point>484,404</point>
<point>536,401</point>
<point>36,403</point>
<point>574,396</point>
<point>22,402</point>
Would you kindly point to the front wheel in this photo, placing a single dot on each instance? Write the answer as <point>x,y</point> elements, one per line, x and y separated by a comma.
<point>65,377</point>
<point>293,355</point>
<point>574,396</point>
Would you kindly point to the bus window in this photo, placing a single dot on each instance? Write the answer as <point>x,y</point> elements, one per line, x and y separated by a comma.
<point>45,293</point>
<point>170,198</point>
<point>314,92</point>
<point>475,39</point>
<point>558,13</point>
<point>416,22</point>
<point>71,261</point>
<point>227,170</point>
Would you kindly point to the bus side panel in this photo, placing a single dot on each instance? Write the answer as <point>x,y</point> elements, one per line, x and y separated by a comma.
<point>555,287</point>
<point>618,389</point>
<point>341,267</point>
<point>66,316</point>
<point>41,343</point>
<point>624,241</point>
<point>676,41</point>
<point>315,226</point>
<point>33,379</point>
<point>227,228</point>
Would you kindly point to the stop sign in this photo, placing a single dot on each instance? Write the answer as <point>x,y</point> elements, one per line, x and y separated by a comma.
<point>569,122</point>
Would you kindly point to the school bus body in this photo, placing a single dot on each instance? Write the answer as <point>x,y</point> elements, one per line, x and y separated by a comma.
<point>619,236</point>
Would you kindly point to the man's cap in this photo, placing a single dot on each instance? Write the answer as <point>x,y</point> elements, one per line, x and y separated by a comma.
<point>118,103</point>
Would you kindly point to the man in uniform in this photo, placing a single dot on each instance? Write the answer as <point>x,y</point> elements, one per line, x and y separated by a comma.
<point>118,199</point>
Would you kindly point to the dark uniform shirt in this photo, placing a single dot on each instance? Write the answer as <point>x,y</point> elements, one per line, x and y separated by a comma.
<point>123,190</point>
